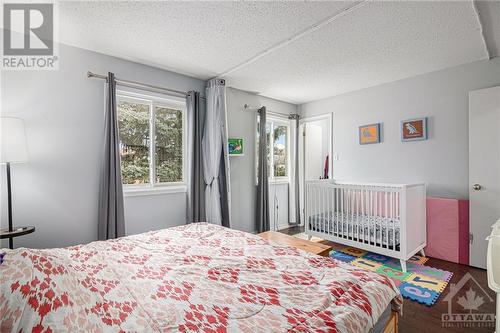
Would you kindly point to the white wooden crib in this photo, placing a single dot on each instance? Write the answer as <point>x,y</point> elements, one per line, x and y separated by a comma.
<point>388,219</point>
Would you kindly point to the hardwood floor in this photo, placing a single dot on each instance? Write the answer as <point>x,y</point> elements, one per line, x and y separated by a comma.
<point>420,318</point>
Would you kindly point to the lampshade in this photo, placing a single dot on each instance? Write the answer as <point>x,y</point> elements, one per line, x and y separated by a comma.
<point>13,140</point>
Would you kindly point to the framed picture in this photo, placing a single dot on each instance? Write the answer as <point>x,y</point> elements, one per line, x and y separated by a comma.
<point>414,129</point>
<point>235,146</point>
<point>369,134</point>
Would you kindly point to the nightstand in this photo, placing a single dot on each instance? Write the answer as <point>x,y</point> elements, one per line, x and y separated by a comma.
<point>19,231</point>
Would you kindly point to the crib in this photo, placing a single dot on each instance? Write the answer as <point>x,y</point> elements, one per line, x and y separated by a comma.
<point>387,219</point>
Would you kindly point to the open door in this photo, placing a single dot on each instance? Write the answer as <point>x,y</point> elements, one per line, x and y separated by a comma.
<point>484,169</point>
<point>315,146</point>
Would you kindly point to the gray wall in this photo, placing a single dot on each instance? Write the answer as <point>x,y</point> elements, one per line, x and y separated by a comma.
<point>441,161</point>
<point>63,111</point>
<point>241,124</point>
<point>57,190</point>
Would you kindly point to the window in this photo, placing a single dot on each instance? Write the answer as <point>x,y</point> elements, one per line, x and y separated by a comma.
<point>152,137</point>
<point>277,158</point>
<point>280,161</point>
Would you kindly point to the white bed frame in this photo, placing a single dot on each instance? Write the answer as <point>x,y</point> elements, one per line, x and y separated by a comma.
<point>404,203</point>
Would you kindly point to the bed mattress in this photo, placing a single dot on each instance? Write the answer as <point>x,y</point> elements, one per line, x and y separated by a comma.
<point>373,229</point>
<point>192,278</point>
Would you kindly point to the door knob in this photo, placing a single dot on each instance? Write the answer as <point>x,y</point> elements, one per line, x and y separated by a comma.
<point>476,187</point>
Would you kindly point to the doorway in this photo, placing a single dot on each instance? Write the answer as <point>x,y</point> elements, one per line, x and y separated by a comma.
<point>484,169</point>
<point>315,152</point>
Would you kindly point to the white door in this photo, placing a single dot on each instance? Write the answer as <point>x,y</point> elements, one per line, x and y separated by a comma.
<point>484,169</point>
<point>315,144</point>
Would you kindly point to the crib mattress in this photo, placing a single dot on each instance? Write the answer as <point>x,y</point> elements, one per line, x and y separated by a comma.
<point>372,229</point>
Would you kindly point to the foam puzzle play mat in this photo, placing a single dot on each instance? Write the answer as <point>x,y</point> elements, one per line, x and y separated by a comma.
<point>421,283</point>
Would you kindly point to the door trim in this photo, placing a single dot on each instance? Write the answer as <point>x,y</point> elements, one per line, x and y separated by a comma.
<point>303,121</point>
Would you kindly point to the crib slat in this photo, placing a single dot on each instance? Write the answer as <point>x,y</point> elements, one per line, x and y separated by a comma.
<point>330,204</point>
<point>391,216</point>
<point>350,224</point>
<point>358,199</point>
<point>361,213</point>
<point>341,219</point>
<point>325,219</point>
<point>318,209</point>
<point>365,212</point>
<point>348,217</point>
<point>353,212</point>
<point>396,218</point>
<point>337,210</point>
<point>356,215</point>
<point>386,214</point>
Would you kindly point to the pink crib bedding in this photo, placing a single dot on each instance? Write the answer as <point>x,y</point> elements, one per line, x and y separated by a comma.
<point>191,278</point>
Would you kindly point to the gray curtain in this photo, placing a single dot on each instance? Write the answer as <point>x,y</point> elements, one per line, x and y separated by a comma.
<point>111,220</point>
<point>224,192</point>
<point>224,174</point>
<point>296,173</point>
<point>262,206</point>
<point>215,157</point>
<point>196,183</point>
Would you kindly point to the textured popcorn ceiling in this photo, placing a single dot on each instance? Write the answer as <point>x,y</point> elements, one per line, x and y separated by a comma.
<point>274,48</point>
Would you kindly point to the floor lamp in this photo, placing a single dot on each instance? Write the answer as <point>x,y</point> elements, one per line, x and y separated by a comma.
<point>13,150</point>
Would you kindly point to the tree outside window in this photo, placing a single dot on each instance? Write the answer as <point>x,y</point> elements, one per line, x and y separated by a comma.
<point>277,157</point>
<point>146,161</point>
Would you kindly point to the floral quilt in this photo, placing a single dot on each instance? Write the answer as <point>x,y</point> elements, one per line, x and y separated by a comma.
<point>192,278</point>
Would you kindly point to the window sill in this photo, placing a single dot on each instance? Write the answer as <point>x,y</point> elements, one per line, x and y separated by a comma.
<point>158,190</point>
<point>279,181</point>
<point>276,181</point>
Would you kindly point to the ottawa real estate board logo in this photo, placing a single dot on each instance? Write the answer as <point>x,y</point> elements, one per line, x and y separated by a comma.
<point>467,302</point>
<point>29,36</point>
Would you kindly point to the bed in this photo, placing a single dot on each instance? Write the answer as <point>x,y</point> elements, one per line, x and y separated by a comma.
<point>388,219</point>
<point>198,277</point>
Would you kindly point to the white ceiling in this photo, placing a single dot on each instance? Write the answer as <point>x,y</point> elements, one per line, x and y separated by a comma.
<point>292,51</point>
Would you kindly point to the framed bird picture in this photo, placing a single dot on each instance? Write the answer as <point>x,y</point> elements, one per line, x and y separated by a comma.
<point>369,134</point>
<point>235,146</point>
<point>414,129</point>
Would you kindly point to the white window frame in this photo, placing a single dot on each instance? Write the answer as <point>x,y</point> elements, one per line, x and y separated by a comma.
<point>272,120</point>
<point>155,101</point>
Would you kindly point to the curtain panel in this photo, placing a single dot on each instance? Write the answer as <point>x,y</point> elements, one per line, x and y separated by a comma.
<point>262,200</point>
<point>196,182</point>
<point>296,176</point>
<point>215,155</point>
<point>111,220</point>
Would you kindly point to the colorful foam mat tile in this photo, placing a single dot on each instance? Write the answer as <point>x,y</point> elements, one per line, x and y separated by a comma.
<point>416,259</point>
<point>421,269</point>
<point>341,256</point>
<point>393,273</point>
<point>366,264</point>
<point>427,282</point>
<point>393,263</point>
<point>435,273</point>
<point>376,257</point>
<point>354,251</point>
<point>418,294</point>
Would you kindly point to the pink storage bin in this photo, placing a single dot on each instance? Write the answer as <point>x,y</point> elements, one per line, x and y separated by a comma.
<point>448,229</point>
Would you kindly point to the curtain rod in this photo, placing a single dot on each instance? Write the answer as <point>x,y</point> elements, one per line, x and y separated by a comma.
<point>135,84</point>
<point>284,115</point>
